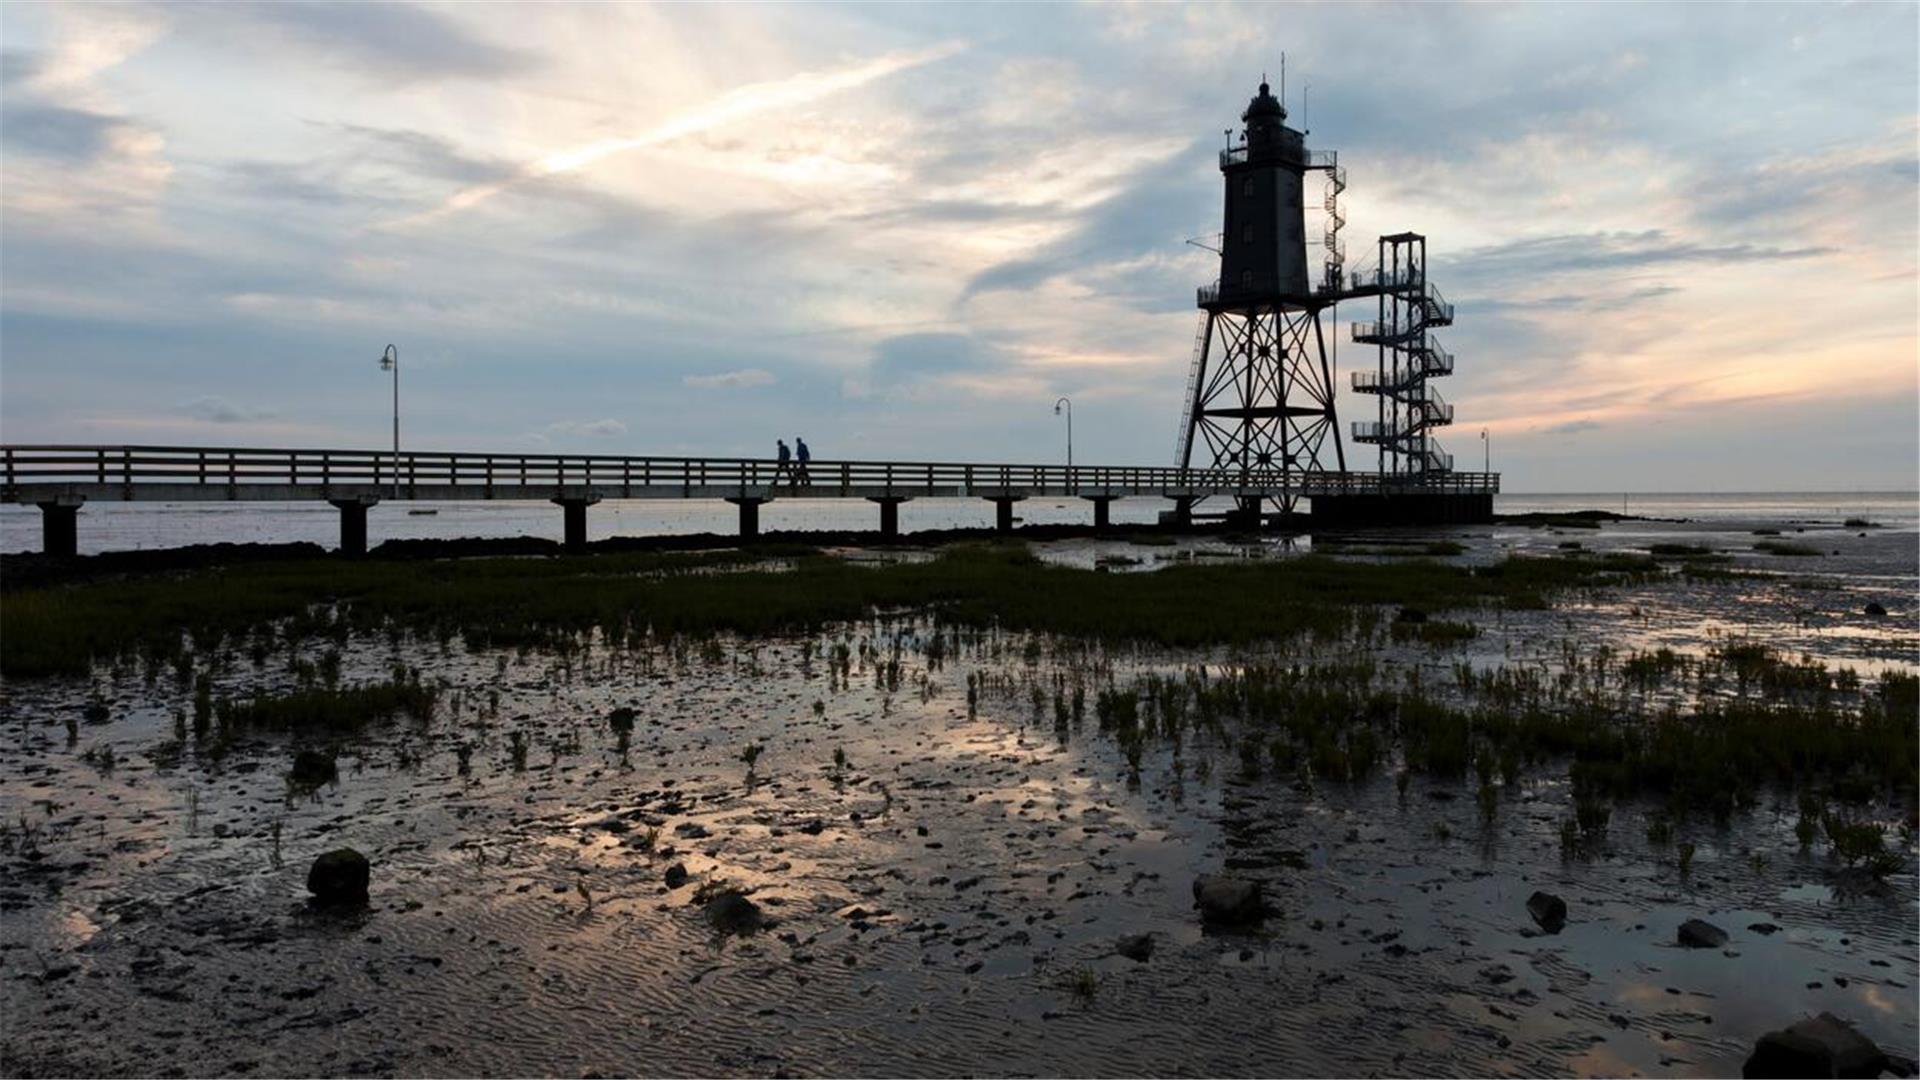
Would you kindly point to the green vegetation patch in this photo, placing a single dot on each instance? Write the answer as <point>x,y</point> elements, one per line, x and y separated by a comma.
<point>546,602</point>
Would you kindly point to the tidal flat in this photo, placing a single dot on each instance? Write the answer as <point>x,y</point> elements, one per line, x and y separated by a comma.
<point>965,795</point>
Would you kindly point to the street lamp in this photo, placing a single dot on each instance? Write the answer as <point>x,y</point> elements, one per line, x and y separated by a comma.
<point>1068,405</point>
<point>390,361</point>
<point>1486,444</point>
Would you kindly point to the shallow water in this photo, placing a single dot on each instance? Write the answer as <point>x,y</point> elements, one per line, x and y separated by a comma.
<point>941,905</point>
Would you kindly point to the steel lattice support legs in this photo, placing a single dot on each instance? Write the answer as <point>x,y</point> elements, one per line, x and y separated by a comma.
<point>1263,395</point>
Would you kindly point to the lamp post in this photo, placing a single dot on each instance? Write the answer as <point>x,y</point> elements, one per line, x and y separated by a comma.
<point>390,361</point>
<point>1068,405</point>
<point>1486,444</point>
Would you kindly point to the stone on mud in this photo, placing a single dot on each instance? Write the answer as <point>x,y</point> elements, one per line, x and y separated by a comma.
<point>1548,910</point>
<point>311,768</point>
<point>1226,901</point>
<point>1878,611</point>
<point>676,875</point>
<point>732,913</point>
<point>339,876</point>
<point>1699,934</point>
<point>1823,1046</point>
<point>1135,947</point>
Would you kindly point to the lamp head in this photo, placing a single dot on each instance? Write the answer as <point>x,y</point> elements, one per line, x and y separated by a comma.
<point>389,358</point>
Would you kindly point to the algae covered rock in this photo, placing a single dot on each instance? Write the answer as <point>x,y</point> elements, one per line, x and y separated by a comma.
<point>339,876</point>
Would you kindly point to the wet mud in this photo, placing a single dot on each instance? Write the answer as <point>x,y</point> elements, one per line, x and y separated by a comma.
<point>947,872</point>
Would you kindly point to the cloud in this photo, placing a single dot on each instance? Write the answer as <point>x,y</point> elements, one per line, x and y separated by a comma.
<point>1571,427</point>
<point>398,43</point>
<point>1542,258</point>
<point>218,410</point>
<point>738,104</point>
<point>590,429</point>
<point>743,379</point>
<point>71,135</point>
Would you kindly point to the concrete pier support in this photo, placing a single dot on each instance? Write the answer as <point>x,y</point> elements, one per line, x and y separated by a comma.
<point>1181,516</point>
<point>353,523</point>
<point>889,513</point>
<point>1003,511</point>
<point>573,509</point>
<point>1245,513</point>
<point>1102,506</point>
<point>749,516</point>
<point>60,525</point>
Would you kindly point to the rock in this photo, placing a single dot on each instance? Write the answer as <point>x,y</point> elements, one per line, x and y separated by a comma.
<point>1763,928</point>
<point>311,768</point>
<point>676,875</point>
<point>1823,1046</point>
<point>1410,615</point>
<point>1548,910</point>
<point>1228,901</point>
<point>1136,947</point>
<point>621,720</point>
<point>1698,934</point>
<point>691,830</point>
<point>339,877</point>
<point>1876,610</point>
<point>732,913</point>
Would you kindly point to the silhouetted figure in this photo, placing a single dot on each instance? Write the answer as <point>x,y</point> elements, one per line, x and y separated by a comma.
<point>785,463</point>
<point>801,455</point>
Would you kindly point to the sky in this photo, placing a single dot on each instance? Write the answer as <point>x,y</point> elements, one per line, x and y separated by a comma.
<point>1681,239</point>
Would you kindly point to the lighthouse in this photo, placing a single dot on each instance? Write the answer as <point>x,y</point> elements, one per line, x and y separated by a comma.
<point>1260,394</point>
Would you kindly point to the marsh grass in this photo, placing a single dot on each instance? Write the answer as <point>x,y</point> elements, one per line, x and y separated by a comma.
<point>326,710</point>
<point>522,603</point>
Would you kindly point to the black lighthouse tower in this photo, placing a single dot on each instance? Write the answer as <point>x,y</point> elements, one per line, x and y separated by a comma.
<point>1260,394</point>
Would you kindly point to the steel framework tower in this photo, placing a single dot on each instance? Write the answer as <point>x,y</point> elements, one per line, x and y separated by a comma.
<point>1410,408</point>
<point>1260,392</point>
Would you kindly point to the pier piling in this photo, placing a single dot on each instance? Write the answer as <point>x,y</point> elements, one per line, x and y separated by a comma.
<point>353,523</point>
<point>60,525</point>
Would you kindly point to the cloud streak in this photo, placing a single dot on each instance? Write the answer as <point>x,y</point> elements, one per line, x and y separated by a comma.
<point>738,104</point>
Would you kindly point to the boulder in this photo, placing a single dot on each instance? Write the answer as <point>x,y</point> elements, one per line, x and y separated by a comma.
<point>1878,611</point>
<point>1547,910</point>
<point>1699,934</point>
<point>732,913</point>
<point>1135,947</point>
<point>339,877</point>
<point>1823,1046</point>
<point>676,875</point>
<point>1226,901</point>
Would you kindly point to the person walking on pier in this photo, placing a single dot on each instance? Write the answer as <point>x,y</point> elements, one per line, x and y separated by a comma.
<point>801,455</point>
<point>785,464</point>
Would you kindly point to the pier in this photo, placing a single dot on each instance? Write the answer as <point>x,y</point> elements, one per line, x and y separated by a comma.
<point>59,479</point>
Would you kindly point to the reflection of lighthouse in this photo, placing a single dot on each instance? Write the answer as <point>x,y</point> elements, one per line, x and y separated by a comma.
<point>1260,392</point>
